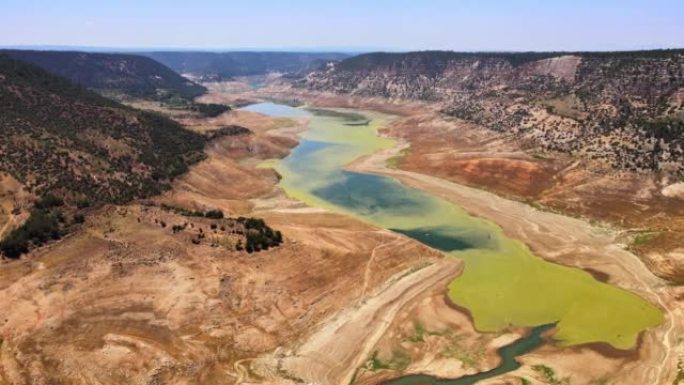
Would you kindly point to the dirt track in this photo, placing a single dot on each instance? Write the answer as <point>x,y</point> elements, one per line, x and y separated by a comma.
<point>127,301</point>
<point>342,343</point>
<point>567,241</point>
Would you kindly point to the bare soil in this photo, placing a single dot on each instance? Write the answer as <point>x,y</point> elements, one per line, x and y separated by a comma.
<point>125,300</point>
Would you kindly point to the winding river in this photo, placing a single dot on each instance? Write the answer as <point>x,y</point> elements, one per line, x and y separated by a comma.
<point>503,284</point>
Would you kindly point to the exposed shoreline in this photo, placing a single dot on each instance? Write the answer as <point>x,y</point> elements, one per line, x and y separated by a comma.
<point>559,239</point>
<point>569,236</point>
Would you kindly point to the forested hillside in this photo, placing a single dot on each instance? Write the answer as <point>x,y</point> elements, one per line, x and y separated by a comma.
<point>57,137</point>
<point>225,65</point>
<point>132,75</point>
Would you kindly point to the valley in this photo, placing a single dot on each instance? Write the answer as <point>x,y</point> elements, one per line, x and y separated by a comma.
<point>357,201</point>
<point>578,133</point>
<point>338,239</point>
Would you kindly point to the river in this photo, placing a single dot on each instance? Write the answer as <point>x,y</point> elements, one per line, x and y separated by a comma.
<point>503,285</point>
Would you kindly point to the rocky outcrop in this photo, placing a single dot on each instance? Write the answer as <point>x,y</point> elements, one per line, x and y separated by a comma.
<point>620,111</point>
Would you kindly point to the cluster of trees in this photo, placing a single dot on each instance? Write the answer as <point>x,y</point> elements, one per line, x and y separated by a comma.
<point>209,110</point>
<point>132,75</point>
<point>232,130</point>
<point>45,223</point>
<point>56,136</point>
<point>670,130</point>
<point>212,214</point>
<point>41,226</point>
<point>59,127</point>
<point>259,236</point>
<point>225,65</point>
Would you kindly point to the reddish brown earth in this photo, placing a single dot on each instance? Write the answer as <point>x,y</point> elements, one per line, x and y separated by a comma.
<point>126,300</point>
<point>457,151</point>
<point>628,201</point>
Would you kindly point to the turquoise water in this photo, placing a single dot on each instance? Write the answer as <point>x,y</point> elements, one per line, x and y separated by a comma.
<point>503,284</point>
<point>276,110</point>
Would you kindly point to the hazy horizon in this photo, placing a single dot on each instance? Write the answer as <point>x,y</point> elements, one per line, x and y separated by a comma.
<point>352,26</point>
<point>341,50</point>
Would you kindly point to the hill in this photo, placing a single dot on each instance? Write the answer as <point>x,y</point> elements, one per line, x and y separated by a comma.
<point>226,65</point>
<point>132,75</point>
<point>624,110</point>
<point>60,138</point>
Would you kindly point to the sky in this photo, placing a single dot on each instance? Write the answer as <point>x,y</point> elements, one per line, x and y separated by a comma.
<point>352,25</point>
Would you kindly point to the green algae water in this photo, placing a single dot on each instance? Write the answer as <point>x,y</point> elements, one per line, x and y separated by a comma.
<point>503,284</point>
<point>507,353</point>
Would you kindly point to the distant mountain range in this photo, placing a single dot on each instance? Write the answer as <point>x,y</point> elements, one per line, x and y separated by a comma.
<point>132,75</point>
<point>230,64</point>
<point>156,75</point>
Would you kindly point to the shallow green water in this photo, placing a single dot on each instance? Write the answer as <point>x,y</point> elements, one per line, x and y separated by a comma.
<point>503,285</point>
<point>508,356</point>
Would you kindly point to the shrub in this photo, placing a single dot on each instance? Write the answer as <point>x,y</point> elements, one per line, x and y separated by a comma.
<point>210,110</point>
<point>49,201</point>
<point>214,214</point>
<point>79,218</point>
<point>39,228</point>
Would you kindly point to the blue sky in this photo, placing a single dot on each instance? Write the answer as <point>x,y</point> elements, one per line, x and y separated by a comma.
<point>464,25</point>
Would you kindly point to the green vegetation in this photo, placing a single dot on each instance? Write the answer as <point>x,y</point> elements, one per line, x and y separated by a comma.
<point>133,75</point>
<point>567,107</point>
<point>231,130</point>
<point>395,161</point>
<point>435,61</point>
<point>470,356</point>
<point>183,211</point>
<point>259,235</point>
<point>641,133</point>
<point>49,201</point>
<point>226,65</point>
<point>420,333</point>
<point>209,110</point>
<point>643,239</point>
<point>213,214</point>
<point>504,284</point>
<point>548,375</point>
<point>399,361</point>
<point>77,149</point>
<point>79,218</point>
<point>42,226</point>
<point>343,115</point>
<point>668,129</point>
<point>83,147</point>
<point>374,362</point>
<point>679,380</point>
<point>600,381</point>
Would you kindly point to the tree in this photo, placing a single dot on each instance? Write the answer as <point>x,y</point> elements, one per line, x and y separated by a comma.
<point>214,214</point>
<point>79,218</point>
